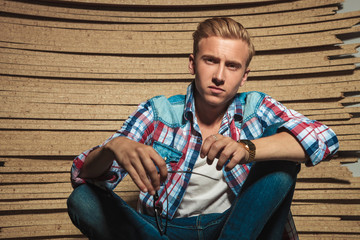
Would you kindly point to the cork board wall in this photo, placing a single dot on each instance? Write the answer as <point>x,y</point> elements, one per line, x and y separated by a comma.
<point>72,71</point>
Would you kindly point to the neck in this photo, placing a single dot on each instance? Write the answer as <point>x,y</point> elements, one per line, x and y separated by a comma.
<point>209,117</point>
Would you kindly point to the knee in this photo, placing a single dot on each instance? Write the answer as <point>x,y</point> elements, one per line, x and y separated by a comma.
<point>86,208</point>
<point>86,211</point>
<point>277,174</point>
<point>286,172</point>
<point>281,180</point>
<point>81,201</point>
<point>77,196</point>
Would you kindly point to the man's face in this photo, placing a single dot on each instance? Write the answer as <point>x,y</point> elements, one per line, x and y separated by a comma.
<point>220,69</point>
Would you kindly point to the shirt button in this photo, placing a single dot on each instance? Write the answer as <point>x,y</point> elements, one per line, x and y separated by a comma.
<point>189,169</point>
<point>165,158</point>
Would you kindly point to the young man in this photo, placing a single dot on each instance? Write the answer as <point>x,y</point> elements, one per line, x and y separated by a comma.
<point>211,164</point>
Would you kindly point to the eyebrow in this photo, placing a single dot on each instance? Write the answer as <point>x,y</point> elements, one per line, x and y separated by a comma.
<point>208,56</point>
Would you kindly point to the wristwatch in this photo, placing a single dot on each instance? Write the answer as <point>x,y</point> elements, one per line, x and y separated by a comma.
<point>250,147</point>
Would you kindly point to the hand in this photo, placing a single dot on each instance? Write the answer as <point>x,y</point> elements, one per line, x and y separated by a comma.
<point>223,148</point>
<point>140,161</point>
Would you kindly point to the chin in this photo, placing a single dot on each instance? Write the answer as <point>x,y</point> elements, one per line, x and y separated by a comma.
<point>215,102</point>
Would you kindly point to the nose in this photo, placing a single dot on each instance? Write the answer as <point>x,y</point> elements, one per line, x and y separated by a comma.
<point>220,73</point>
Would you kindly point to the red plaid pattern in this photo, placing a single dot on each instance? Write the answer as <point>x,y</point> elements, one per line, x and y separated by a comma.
<point>144,126</point>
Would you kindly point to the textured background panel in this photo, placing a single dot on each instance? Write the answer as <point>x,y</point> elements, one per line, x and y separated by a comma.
<point>72,71</point>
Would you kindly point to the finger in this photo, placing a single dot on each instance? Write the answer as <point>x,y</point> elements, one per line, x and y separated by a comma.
<point>232,163</point>
<point>207,144</point>
<point>229,150</point>
<point>125,162</point>
<point>136,178</point>
<point>150,170</point>
<point>161,164</point>
<point>238,157</point>
<point>226,154</point>
<point>138,166</point>
<point>215,150</point>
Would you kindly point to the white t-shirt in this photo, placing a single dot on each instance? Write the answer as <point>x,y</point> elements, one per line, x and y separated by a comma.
<point>207,191</point>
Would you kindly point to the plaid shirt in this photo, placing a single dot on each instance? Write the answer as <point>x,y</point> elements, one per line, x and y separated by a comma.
<point>183,143</point>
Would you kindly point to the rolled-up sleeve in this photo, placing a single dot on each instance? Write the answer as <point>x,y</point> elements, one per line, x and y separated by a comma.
<point>319,141</point>
<point>137,127</point>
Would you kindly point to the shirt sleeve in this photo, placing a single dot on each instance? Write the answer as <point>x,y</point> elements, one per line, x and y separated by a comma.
<point>138,127</point>
<point>319,141</point>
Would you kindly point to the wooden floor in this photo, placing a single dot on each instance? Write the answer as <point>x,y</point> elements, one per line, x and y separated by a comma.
<point>71,72</point>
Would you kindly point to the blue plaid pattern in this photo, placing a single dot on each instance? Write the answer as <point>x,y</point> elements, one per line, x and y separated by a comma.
<point>319,141</point>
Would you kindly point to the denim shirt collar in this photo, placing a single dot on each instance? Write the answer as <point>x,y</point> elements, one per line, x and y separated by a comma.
<point>189,111</point>
<point>234,111</point>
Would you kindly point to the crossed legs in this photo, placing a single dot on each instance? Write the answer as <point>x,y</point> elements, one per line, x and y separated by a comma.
<point>259,211</point>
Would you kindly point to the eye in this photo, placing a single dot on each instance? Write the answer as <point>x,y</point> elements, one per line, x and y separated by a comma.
<point>233,66</point>
<point>209,60</point>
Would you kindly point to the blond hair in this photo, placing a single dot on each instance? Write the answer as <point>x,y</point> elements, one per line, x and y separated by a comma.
<point>222,27</point>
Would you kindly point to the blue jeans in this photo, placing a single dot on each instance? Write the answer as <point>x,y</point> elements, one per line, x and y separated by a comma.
<point>258,212</point>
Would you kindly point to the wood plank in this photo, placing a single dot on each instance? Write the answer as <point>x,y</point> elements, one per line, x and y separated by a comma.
<point>67,41</point>
<point>40,231</point>
<point>87,86</point>
<point>328,183</point>
<point>109,95</point>
<point>36,33</point>
<point>35,178</point>
<point>328,226</point>
<point>171,16</point>
<point>325,13</point>
<point>34,219</point>
<point>34,169</point>
<point>15,109</point>
<point>327,209</point>
<point>93,93</point>
<point>48,204</point>
<point>171,76</point>
<point>120,64</point>
<point>332,236</point>
<point>38,65</point>
<point>327,194</point>
<point>40,188</point>
<point>157,3</point>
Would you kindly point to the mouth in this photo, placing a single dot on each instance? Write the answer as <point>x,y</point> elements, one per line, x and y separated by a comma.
<point>216,90</point>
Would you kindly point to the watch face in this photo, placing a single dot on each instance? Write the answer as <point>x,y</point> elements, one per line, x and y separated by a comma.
<point>250,147</point>
<point>249,144</point>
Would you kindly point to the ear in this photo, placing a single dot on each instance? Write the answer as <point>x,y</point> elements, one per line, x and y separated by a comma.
<point>192,64</point>
<point>245,76</point>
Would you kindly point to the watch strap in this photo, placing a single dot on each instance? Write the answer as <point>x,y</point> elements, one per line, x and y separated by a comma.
<point>250,148</point>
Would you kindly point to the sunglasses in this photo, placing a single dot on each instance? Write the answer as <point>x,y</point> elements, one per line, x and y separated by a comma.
<point>157,213</point>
